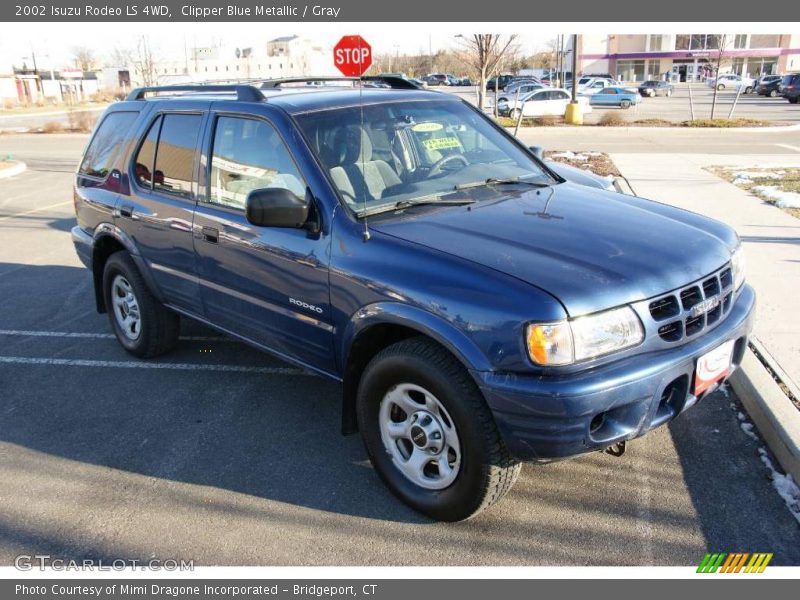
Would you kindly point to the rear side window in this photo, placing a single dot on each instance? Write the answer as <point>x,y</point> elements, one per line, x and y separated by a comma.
<point>165,161</point>
<point>100,154</point>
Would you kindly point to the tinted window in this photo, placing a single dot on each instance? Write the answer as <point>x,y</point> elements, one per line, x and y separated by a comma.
<point>249,155</point>
<point>101,151</point>
<point>174,161</point>
<point>145,158</point>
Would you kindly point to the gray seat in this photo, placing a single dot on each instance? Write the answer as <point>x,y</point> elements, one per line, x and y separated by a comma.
<point>357,175</point>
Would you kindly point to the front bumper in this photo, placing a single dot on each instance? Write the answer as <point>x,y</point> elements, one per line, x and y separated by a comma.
<point>548,418</point>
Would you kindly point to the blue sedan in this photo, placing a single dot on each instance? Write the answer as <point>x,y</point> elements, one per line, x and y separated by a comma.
<point>615,96</point>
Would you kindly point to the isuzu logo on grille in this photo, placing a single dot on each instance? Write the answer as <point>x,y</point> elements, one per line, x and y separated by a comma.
<point>704,306</point>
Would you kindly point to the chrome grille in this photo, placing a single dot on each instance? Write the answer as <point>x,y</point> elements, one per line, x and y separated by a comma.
<point>685,313</point>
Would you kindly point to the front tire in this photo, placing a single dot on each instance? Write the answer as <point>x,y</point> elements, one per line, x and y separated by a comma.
<point>720,87</point>
<point>625,104</point>
<point>429,433</point>
<point>515,114</point>
<point>773,93</point>
<point>142,325</point>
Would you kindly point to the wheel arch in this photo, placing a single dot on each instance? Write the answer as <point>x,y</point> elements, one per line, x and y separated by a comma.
<point>377,326</point>
<point>109,239</point>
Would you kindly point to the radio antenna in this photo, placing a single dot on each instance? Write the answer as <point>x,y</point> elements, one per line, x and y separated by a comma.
<point>362,132</point>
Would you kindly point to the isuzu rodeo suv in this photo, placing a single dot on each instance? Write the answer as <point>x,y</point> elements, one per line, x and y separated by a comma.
<point>479,308</point>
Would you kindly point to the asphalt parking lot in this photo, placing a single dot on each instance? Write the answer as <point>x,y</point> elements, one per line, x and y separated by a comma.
<point>676,107</point>
<point>223,455</point>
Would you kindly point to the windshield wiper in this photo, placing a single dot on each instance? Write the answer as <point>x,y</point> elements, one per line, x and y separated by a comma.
<point>496,181</point>
<point>401,204</point>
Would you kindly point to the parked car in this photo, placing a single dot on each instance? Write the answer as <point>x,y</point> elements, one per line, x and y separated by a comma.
<point>591,85</point>
<point>731,81</point>
<point>419,82</point>
<point>499,82</point>
<point>518,87</point>
<point>487,312</point>
<point>541,102</point>
<point>615,96</point>
<point>466,82</point>
<point>453,80</point>
<point>790,87</point>
<point>769,86</point>
<point>655,87</point>
<point>436,79</point>
<point>766,79</point>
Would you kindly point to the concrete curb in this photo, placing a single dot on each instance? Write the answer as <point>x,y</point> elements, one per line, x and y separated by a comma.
<point>777,419</point>
<point>16,169</point>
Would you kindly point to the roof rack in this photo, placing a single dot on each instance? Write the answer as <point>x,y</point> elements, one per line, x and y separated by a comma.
<point>244,93</point>
<point>396,83</point>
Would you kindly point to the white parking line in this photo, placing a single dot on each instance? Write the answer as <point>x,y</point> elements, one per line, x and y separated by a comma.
<point>125,364</point>
<point>35,210</point>
<point>103,336</point>
<point>790,147</point>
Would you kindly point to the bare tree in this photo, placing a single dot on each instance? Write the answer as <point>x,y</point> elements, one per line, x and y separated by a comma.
<point>721,43</point>
<point>144,61</point>
<point>83,57</point>
<point>120,57</point>
<point>484,53</point>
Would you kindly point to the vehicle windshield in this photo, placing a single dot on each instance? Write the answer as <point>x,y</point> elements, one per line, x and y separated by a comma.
<point>399,152</point>
<point>650,83</point>
<point>787,80</point>
<point>583,80</point>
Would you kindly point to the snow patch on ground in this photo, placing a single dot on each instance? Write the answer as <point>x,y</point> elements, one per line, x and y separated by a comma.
<point>782,199</point>
<point>783,484</point>
<point>572,156</point>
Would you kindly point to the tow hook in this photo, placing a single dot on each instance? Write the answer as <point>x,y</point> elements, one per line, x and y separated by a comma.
<point>617,449</point>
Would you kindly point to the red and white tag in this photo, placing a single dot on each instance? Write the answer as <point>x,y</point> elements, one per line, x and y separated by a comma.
<point>712,367</point>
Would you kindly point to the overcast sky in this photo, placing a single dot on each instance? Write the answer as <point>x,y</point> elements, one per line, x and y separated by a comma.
<point>55,42</point>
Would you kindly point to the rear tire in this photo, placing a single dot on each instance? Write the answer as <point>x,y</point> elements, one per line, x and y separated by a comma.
<point>748,90</point>
<point>514,114</point>
<point>143,326</point>
<point>465,467</point>
<point>792,100</point>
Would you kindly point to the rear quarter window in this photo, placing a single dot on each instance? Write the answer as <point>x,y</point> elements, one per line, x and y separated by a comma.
<point>107,140</point>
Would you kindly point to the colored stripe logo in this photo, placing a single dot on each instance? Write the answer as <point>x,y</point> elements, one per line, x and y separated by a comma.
<point>735,562</point>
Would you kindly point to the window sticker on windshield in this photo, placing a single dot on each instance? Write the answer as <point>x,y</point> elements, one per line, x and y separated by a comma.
<point>426,127</point>
<point>441,143</point>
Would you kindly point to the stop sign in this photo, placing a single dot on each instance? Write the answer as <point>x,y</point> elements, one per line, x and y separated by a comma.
<point>352,55</point>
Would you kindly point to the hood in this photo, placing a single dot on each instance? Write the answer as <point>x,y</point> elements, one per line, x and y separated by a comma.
<point>589,248</point>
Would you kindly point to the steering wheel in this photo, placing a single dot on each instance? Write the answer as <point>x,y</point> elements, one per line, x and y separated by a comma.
<point>438,166</point>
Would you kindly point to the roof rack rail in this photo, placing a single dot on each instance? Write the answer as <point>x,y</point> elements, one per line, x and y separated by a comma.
<point>396,83</point>
<point>244,93</point>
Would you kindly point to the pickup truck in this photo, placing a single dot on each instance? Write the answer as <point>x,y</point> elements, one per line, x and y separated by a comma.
<point>479,309</point>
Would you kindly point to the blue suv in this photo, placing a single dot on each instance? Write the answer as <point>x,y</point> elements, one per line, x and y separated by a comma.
<point>479,309</point>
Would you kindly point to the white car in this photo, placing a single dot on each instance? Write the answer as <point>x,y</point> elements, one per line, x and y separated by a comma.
<point>543,102</point>
<point>588,85</point>
<point>732,81</point>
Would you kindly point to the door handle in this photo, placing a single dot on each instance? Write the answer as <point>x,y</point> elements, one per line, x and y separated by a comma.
<point>126,211</point>
<point>211,234</point>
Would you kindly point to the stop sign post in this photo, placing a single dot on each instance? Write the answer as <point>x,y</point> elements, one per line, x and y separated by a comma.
<point>352,55</point>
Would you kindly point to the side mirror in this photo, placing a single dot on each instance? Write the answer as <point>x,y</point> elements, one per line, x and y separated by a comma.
<point>276,207</point>
<point>537,151</point>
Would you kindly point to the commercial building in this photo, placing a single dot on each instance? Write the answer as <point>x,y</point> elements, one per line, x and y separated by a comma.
<point>687,57</point>
<point>281,57</point>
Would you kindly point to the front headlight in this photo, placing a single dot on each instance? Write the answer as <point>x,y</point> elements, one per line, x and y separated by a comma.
<point>566,342</point>
<point>737,266</point>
